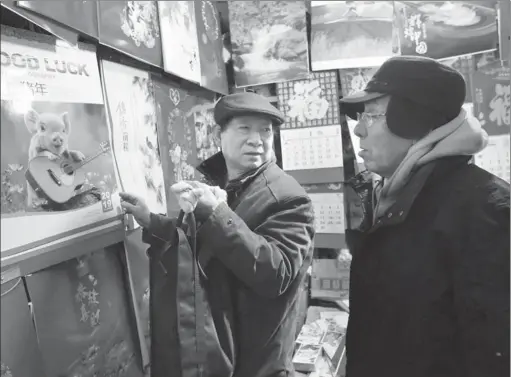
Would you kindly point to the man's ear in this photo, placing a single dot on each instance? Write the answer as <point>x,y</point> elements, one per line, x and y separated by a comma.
<point>31,120</point>
<point>67,123</point>
<point>217,135</point>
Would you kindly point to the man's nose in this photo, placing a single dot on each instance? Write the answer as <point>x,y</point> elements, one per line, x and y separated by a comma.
<point>360,130</point>
<point>255,138</point>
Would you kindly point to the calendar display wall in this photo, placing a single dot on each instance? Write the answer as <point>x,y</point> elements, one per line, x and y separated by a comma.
<point>311,138</point>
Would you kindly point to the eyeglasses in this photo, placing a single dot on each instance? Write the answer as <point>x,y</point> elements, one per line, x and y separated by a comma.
<point>369,119</point>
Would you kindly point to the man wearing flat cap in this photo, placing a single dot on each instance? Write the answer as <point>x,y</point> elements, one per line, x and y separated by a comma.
<point>429,289</point>
<point>257,239</point>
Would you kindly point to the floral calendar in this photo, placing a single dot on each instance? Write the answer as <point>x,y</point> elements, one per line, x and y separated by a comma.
<point>131,108</point>
<point>311,134</point>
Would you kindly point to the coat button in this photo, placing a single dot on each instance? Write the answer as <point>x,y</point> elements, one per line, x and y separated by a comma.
<point>229,222</point>
<point>401,213</point>
<point>389,215</point>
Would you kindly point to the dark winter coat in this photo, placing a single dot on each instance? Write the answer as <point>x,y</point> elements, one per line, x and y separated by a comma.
<point>255,252</point>
<point>430,280</point>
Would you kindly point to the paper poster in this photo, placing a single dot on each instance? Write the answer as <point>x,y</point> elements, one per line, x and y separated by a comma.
<point>310,137</point>
<point>132,112</point>
<point>138,275</point>
<point>58,174</point>
<point>504,18</point>
<point>443,29</point>
<point>351,34</point>
<point>179,39</point>
<point>328,212</point>
<point>269,41</point>
<point>178,111</point>
<point>131,27</point>
<point>78,15</point>
<point>50,26</point>
<point>204,122</point>
<point>466,66</point>
<point>310,102</point>
<point>20,355</point>
<point>354,80</point>
<point>311,148</point>
<point>212,65</point>
<point>328,203</point>
<point>83,318</point>
<point>492,107</point>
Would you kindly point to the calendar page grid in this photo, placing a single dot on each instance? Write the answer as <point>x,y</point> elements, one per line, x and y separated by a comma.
<point>312,148</point>
<point>328,212</point>
<point>495,158</point>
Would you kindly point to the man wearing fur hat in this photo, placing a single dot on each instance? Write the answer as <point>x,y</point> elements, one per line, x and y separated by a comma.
<point>430,270</point>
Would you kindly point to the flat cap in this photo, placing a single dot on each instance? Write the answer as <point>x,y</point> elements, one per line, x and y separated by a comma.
<point>246,103</point>
<point>425,94</point>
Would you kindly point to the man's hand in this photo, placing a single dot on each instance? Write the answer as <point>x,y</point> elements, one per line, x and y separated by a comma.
<point>187,195</point>
<point>136,206</point>
<point>211,197</point>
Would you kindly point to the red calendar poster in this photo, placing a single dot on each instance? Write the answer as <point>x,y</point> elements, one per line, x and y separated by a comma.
<point>83,319</point>
<point>492,108</point>
<point>185,126</point>
<point>133,28</point>
<point>20,355</point>
<point>311,138</point>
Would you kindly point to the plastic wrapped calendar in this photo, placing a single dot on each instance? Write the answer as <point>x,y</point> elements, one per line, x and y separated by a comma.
<point>491,93</point>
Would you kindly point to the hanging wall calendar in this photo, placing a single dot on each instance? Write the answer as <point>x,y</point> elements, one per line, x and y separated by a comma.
<point>181,113</point>
<point>132,114</point>
<point>58,173</point>
<point>329,217</point>
<point>131,27</point>
<point>311,139</point>
<point>492,108</point>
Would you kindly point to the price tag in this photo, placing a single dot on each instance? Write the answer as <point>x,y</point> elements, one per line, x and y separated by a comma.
<point>106,201</point>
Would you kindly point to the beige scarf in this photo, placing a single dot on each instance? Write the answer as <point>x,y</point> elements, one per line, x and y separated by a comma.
<point>463,136</point>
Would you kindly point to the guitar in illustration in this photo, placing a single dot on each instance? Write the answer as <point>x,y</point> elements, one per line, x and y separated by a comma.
<point>61,179</point>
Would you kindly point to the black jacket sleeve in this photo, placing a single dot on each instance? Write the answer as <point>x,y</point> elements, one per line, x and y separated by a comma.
<point>160,229</point>
<point>268,258</point>
<point>481,286</point>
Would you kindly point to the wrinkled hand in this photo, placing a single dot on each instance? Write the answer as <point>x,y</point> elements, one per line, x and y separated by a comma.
<point>187,195</point>
<point>136,206</point>
<point>211,197</point>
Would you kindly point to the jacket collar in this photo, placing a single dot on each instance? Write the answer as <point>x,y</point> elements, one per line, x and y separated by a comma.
<point>214,170</point>
<point>430,173</point>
